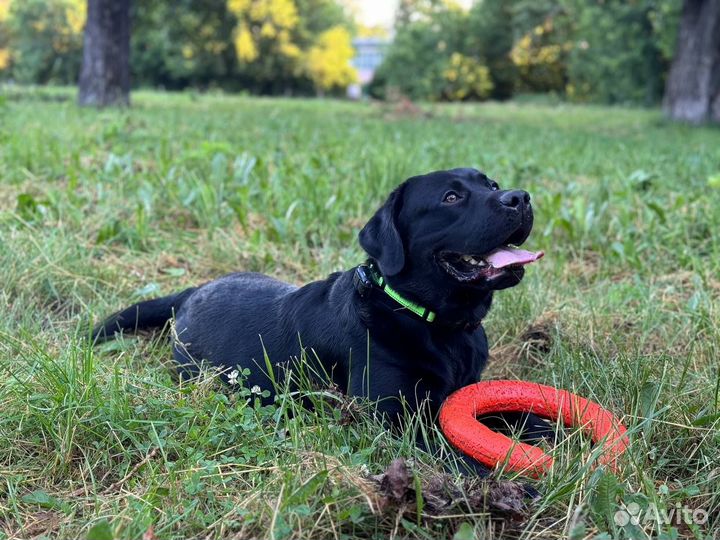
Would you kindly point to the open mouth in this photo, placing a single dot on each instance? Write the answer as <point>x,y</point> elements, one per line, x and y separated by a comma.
<point>467,267</point>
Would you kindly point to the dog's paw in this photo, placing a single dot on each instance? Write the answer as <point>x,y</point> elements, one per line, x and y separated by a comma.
<point>535,430</point>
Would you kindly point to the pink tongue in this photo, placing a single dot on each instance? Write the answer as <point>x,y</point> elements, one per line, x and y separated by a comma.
<point>506,255</point>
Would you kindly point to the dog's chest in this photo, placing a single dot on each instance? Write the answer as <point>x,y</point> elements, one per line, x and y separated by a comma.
<point>463,359</point>
<point>445,362</point>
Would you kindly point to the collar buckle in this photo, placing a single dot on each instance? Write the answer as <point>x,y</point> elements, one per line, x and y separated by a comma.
<point>362,280</point>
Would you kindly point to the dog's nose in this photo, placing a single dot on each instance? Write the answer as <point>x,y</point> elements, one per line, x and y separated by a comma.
<point>514,199</point>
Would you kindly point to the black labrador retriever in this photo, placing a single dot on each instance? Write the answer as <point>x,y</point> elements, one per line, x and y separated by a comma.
<point>403,328</point>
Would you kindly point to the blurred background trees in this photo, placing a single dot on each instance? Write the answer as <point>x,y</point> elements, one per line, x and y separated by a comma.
<point>608,51</point>
<point>41,41</point>
<point>259,46</point>
<point>604,51</point>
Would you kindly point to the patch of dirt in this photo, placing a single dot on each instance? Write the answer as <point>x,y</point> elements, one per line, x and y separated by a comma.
<point>538,337</point>
<point>253,222</point>
<point>36,524</point>
<point>355,223</point>
<point>529,348</point>
<point>442,496</point>
<point>585,267</point>
<point>398,107</point>
<point>677,287</point>
<point>90,162</point>
<point>9,193</point>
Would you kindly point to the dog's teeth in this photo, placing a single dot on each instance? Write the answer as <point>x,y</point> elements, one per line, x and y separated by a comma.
<point>473,261</point>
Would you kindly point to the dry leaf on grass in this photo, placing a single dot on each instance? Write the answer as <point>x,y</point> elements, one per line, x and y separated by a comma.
<point>396,483</point>
<point>39,523</point>
<point>149,534</point>
<point>442,495</point>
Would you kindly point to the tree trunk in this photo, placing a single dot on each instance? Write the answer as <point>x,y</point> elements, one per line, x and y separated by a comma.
<point>105,73</point>
<point>692,91</point>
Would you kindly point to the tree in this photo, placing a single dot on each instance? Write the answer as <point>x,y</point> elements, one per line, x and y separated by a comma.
<point>265,41</point>
<point>490,37</point>
<point>619,52</point>
<point>540,52</point>
<point>466,78</point>
<point>272,40</point>
<point>692,92</point>
<point>181,43</point>
<point>105,73</point>
<point>410,11</point>
<point>4,52</point>
<point>328,61</point>
<point>417,63</point>
<point>41,40</point>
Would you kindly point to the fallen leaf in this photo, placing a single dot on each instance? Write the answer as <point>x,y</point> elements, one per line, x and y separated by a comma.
<point>396,482</point>
<point>40,523</point>
<point>149,534</point>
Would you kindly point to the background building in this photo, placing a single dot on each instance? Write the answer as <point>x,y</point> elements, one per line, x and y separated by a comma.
<point>369,54</point>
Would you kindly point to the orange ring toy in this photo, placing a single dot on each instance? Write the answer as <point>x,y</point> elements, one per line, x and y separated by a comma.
<point>459,424</point>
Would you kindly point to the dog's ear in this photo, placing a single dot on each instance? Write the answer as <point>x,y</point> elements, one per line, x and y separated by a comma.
<point>380,237</point>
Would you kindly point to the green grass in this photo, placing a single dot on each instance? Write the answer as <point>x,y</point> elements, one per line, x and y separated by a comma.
<point>100,209</point>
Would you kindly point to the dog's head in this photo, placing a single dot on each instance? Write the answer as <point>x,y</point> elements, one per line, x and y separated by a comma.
<point>451,230</point>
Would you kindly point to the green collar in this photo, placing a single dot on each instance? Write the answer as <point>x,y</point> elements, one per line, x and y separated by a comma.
<point>377,279</point>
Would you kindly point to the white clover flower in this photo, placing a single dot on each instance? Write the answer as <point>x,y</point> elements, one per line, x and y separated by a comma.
<point>256,390</point>
<point>233,376</point>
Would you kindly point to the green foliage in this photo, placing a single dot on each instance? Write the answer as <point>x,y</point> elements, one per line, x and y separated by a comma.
<point>429,34</point>
<point>327,62</point>
<point>200,44</point>
<point>175,45</point>
<point>489,39</point>
<point>465,532</point>
<point>540,53</point>
<point>608,51</point>
<point>419,59</point>
<point>605,494</point>
<point>414,63</point>
<point>43,41</point>
<point>182,43</point>
<point>622,50</point>
<point>600,51</point>
<point>466,78</point>
<point>100,531</point>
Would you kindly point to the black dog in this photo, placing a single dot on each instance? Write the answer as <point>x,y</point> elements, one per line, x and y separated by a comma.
<point>404,327</point>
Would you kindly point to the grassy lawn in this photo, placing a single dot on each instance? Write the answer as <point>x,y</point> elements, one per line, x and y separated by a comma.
<point>100,209</point>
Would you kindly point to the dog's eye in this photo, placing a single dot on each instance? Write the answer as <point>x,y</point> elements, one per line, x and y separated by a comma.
<point>451,197</point>
<point>494,186</point>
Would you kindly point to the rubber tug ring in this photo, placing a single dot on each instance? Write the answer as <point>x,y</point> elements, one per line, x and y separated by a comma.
<point>458,421</point>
